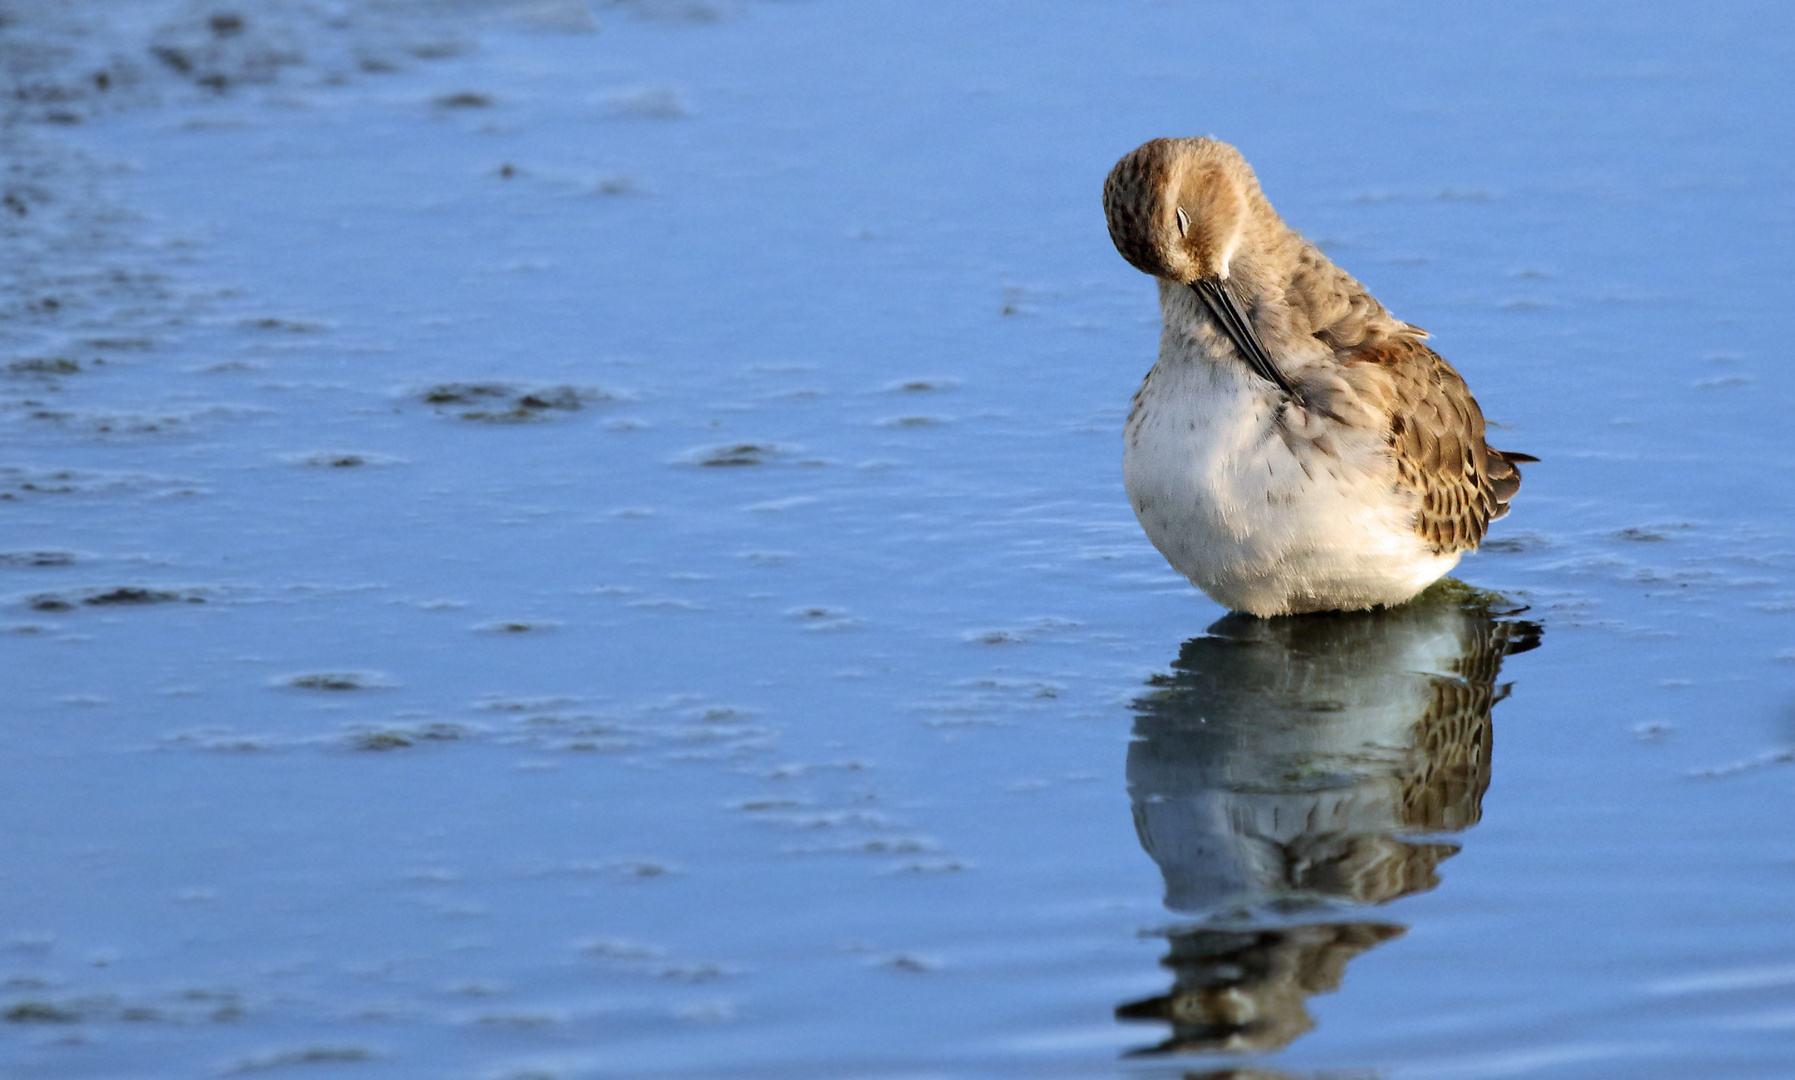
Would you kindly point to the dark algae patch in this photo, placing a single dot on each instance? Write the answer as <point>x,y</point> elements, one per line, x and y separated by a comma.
<point>39,1012</point>
<point>467,99</point>
<point>132,595</point>
<point>37,558</point>
<point>289,326</point>
<point>383,740</point>
<point>221,52</point>
<point>38,365</point>
<point>516,626</point>
<point>508,403</point>
<point>122,596</point>
<point>743,454</point>
<point>401,738</point>
<point>310,1055</point>
<point>336,681</point>
<point>342,459</point>
<point>465,393</point>
<point>737,454</point>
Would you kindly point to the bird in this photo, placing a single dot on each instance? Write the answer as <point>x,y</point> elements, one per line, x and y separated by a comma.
<point>1296,448</point>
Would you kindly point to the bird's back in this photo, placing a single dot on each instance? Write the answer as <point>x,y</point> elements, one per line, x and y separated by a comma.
<point>1434,428</point>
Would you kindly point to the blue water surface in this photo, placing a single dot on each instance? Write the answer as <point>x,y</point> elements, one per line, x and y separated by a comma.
<point>546,540</point>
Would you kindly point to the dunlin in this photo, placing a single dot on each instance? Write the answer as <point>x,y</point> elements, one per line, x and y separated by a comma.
<point>1296,448</point>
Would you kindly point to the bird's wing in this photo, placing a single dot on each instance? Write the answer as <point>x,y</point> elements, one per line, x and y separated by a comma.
<point>1436,437</point>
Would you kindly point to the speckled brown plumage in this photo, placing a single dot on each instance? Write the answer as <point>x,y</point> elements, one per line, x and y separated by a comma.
<point>1127,202</point>
<point>1436,436</point>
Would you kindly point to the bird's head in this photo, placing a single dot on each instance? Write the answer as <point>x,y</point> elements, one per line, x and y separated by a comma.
<point>1179,208</point>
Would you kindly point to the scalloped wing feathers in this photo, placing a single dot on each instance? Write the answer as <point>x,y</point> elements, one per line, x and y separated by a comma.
<point>1436,436</point>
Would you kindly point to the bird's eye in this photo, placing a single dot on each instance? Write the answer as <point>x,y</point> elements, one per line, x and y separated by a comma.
<point>1183,222</point>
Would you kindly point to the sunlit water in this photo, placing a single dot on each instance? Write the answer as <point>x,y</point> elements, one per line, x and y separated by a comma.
<point>560,541</point>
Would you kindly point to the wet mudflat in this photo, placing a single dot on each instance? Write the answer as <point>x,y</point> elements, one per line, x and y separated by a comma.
<point>562,540</point>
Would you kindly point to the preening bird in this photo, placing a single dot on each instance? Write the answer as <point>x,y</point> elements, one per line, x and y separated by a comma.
<point>1296,448</point>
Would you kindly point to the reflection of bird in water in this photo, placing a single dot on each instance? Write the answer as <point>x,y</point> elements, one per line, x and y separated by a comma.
<point>1284,768</point>
<point>1246,991</point>
<point>1296,448</point>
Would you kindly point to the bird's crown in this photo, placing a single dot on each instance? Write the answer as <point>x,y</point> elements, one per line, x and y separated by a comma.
<point>1179,208</point>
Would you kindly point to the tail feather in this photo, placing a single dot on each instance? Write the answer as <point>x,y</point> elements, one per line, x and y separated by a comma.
<point>1505,478</point>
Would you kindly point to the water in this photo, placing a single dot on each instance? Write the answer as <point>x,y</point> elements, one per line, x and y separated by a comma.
<point>563,541</point>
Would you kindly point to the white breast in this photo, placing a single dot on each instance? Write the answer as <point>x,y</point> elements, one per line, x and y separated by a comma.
<point>1265,507</point>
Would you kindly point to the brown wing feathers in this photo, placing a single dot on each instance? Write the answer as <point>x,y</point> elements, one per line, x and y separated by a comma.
<point>1436,436</point>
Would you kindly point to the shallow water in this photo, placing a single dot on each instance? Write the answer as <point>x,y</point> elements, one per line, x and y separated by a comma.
<point>560,541</point>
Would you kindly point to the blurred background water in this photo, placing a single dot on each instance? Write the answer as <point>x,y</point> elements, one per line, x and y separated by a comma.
<point>557,540</point>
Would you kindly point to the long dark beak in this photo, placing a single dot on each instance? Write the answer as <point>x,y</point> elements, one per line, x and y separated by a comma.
<point>1218,296</point>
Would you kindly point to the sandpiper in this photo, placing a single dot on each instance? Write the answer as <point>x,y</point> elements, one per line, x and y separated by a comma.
<point>1296,448</point>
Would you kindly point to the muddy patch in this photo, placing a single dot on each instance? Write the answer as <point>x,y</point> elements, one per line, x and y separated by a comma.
<point>510,627</point>
<point>510,403</point>
<point>22,482</point>
<point>36,558</point>
<point>922,385</point>
<point>731,455</point>
<point>335,681</point>
<point>44,366</point>
<point>466,99</point>
<point>378,740</point>
<point>342,459</point>
<point>122,596</point>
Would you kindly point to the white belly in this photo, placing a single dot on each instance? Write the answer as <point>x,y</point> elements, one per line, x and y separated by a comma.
<point>1268,517</point>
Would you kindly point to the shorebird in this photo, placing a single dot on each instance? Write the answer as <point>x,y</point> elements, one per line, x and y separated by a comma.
<point>1297,448</point>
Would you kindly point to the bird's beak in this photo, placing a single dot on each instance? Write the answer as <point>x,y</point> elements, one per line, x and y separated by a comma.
<point>1218,296</point>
